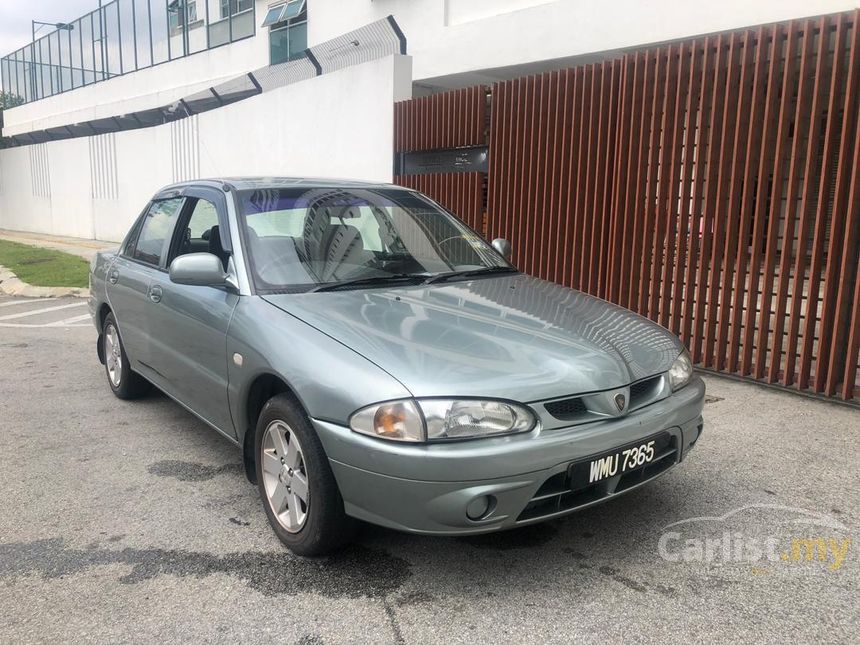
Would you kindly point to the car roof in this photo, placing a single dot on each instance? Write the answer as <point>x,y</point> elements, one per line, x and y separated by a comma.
<point>258,183</point>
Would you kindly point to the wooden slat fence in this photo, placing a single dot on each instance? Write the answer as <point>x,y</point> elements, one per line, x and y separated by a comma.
<point>462,193</point>
<point>711,185</point>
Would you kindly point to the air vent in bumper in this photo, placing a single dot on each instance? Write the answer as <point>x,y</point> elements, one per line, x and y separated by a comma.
<point>555,497</point>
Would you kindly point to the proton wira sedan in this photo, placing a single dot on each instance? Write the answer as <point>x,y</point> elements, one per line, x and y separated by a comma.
<point>375,359</point>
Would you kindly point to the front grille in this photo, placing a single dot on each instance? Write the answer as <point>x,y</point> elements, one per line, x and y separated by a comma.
<point>555,495</point>
<point>641,391</point>
<point>566,409</point>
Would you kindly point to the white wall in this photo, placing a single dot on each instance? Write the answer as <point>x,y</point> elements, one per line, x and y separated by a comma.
<point>455,36</point>
<point>336,125</point>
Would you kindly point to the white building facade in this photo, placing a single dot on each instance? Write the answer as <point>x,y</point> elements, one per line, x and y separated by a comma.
<point>131,56</point>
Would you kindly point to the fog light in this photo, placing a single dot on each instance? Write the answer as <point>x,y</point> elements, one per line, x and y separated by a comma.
<point>480,507</point>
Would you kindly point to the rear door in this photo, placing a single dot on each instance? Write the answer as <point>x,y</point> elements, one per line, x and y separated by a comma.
<point>189,323</point>
<point>130,276</point>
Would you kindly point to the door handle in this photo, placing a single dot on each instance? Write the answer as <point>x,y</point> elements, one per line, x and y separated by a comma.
<point>155,293</point>
<point>113,276</point>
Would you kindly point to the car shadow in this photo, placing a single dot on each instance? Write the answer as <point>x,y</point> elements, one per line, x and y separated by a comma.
<point>602,540</point>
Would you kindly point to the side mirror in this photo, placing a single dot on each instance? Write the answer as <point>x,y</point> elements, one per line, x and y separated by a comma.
<point>198,269</point>
<point>503,247</point>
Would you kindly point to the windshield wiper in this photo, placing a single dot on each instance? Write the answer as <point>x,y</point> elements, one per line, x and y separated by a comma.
<point>393,278</point>
<point>442,277</point>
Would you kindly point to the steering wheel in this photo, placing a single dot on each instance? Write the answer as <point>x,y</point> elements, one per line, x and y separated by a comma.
<point>451,239</point>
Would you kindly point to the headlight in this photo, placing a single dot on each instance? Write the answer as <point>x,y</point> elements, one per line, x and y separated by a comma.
<point>397,420</point>
<point>454,419</point>
<point>439,419</point>
<point>681,371</point>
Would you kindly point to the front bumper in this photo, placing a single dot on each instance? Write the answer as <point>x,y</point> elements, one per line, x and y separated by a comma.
<point>426,488</point>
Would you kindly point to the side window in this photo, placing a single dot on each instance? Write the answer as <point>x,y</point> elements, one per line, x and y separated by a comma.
<point>131,239</point>
<point>203,218</point>
<point>199,231</point>
<point>156,228</point>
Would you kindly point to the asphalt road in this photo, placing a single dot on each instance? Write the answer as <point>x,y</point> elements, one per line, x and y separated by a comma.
<point>132,522</point>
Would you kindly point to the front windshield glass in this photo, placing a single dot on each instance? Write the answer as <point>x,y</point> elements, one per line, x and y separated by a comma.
<point>300,238</point>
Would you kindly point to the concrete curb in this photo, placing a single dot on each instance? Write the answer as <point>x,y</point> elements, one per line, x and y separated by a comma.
<point>10,285</point>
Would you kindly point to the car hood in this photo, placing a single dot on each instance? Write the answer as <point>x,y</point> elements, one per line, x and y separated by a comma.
<point>512,337</point>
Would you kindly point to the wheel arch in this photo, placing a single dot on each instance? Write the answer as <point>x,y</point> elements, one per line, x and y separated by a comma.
<point>262,388</point>
<point>102,313</point>
<point>104,310</point>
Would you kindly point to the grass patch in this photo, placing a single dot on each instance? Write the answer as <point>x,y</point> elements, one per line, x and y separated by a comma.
<point>44,267</point>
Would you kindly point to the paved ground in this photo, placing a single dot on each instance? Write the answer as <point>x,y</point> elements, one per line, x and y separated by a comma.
<point>132,522</point>
<point>35,313</point>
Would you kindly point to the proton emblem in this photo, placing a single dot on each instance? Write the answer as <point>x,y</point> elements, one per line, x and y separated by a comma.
<point>620,401</point>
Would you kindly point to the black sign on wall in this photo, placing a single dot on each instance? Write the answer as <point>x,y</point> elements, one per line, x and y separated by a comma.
<point>440,161</point>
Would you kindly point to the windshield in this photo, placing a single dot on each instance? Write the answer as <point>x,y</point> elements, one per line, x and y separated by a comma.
<point>300,238</point>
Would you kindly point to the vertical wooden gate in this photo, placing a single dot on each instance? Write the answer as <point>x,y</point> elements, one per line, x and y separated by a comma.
<point>711,185</point>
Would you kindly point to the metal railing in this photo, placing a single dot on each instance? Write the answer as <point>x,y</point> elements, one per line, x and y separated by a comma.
<point>120,37</point>
<point>370,42</point>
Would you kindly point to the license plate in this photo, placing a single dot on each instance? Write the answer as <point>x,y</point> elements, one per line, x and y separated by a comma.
<point>616,462</point>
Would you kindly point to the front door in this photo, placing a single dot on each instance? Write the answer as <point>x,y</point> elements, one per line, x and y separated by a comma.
<point>189,323</point>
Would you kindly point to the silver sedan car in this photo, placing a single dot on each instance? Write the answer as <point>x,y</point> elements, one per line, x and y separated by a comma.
<point>374,359</point>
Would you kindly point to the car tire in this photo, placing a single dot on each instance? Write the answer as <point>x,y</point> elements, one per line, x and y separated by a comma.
<point>123,382</point>
<point>291,462</point>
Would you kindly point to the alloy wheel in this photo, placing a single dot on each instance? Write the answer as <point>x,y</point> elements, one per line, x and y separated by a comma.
<point>113,355</point>
<point>285,477</point>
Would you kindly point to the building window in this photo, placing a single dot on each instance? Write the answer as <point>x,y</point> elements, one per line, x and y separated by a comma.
<point>284,12</point>
<point>288,42</point>
<point>232,7</point>
<point>288,31</point>
<point>273,15</point>
<point>182,13</point>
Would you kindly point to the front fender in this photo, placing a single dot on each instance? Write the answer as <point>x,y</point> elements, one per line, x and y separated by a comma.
<point>330,380</point>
